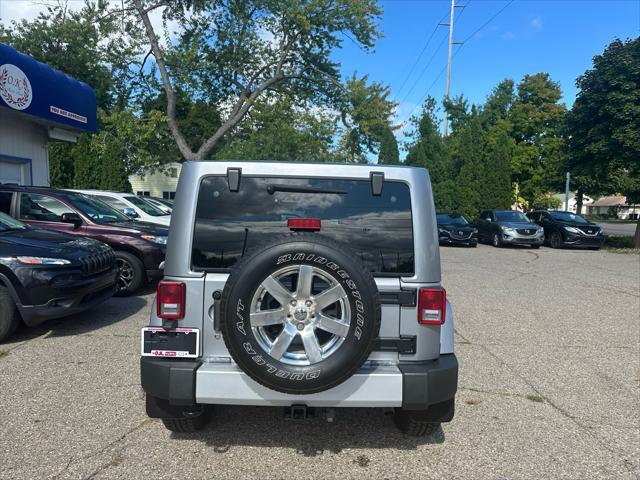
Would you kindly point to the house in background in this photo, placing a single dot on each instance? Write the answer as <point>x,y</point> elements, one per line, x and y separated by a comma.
<point>37,105</point>
<point>614,206</point>
<point>161,183</point>
<point>586,201</point>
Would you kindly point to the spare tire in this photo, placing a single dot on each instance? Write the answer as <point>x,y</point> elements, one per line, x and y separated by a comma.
<point>300,314</point>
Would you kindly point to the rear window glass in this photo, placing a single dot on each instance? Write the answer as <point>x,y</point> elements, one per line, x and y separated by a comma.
<point>377,228</point>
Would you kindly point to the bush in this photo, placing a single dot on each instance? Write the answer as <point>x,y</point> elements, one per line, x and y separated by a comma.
<point>619,242</point>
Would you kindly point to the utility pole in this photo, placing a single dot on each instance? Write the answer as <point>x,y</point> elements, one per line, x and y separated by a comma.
<point>566,194</point>
<point>451,44</point>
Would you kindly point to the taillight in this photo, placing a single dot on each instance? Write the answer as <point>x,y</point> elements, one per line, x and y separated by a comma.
<point>432,306</point>
<point>170,300</point>
<point>312,224</point>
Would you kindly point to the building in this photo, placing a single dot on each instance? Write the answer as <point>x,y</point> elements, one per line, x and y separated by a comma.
<point>161,183</point>
<point>586,201</point>
<point>37,105</point>
<point>614,206</point>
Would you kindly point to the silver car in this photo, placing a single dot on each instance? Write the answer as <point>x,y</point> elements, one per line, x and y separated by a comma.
<point>303,286</point>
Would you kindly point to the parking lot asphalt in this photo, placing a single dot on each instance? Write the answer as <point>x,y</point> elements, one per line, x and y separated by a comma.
<point>549,346</point>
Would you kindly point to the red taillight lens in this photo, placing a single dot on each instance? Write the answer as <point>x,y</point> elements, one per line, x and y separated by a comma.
<point>432,306</point>
<point>170,300</point>
<point>312,224</point>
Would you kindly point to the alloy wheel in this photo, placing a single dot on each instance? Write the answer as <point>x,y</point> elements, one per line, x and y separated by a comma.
<point>300,315</point>
<point>125,274</point>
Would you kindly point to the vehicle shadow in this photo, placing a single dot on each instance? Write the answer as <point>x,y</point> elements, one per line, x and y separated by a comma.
<point>111,311</point>
<point>353,428</point>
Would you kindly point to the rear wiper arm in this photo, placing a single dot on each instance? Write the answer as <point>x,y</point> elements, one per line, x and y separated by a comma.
<point>273,188</point>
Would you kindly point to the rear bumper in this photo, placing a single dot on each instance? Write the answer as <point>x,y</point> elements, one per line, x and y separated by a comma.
<point>413,386</point>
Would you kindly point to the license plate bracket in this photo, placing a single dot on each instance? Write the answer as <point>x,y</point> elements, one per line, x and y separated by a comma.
<point>175,343</point>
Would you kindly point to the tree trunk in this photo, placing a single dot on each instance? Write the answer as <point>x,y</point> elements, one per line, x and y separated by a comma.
<point>636,241</point>
<point>579,196</point>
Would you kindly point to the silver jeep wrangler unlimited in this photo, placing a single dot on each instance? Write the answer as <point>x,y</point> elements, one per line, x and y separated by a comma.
<point>301,285</point>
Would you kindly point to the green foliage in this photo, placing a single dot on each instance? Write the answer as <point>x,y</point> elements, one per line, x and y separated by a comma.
<point>604,124</point>
<point>366,111</point>
<point>125,144</point>
<point>538,131</point>
<point>388,154</point>
<point>283,131</point>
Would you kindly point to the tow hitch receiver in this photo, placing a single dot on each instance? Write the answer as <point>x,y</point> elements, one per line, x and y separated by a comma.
<point>298,412</point>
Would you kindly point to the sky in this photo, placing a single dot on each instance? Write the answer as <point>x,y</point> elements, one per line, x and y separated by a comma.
<point>555,36</point>
<point>527,36</point>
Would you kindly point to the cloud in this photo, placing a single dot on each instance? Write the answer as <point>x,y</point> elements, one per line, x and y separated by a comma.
<point>18,10</point>
<point>507,36</point>
<point>536,23</point>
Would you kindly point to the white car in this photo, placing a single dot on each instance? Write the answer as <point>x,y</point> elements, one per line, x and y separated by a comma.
<point>132,205</point>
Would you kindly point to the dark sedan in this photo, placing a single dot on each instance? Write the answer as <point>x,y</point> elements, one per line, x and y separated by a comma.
<point>46,274</point>
<point>566,229</point>
<point>454,229</point>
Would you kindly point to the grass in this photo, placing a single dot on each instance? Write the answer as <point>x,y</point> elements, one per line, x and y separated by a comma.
<point>3,353</point>
<point>535,398</point>
<point>621,245</point>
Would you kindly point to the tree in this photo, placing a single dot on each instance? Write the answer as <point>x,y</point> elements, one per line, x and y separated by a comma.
<point>604,123</point>
<point>466,149</point>
<point>537,128</point>
<point>426,149</point>
<point>124,145</point>
<point>280,130</point>
<point>389,154</point>
<point>232,53</point>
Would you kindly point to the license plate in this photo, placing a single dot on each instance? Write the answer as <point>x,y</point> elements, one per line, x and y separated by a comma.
<point>176,343</point>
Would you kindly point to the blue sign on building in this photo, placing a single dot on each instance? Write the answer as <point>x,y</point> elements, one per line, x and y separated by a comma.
<point>34,88</point>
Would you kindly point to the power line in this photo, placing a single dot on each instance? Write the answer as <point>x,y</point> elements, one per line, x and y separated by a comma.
<point>466,40</point>
<point>413,67</point>
<point>444,37</point>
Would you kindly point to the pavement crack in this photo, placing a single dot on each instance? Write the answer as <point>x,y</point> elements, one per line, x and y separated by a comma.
<point>627,463</point>
<point>111,463</point>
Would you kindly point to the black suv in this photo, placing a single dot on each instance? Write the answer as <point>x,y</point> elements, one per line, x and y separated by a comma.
<point>501,227</point>
<point>566,229</point>
<point>139,246</point>
<point>454,229</point>
<point>45,274</point>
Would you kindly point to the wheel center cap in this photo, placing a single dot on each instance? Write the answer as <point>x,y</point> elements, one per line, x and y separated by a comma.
<point>300,313</point>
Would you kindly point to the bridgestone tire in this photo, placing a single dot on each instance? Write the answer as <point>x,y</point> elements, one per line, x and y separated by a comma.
<point>9,318</point>
<point>330,259</point>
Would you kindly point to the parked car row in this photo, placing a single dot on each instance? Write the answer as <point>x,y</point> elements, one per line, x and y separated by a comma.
<point>63,251</point>
<point>508,227</point>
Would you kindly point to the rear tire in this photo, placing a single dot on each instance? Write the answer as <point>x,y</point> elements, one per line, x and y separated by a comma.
<point>9,318</point>
<point>187,424</point>
<point>409,423</point>
<point>131,274</point>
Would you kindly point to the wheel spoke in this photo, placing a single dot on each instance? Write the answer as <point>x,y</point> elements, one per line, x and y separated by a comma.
<point>311,345</point>
<point>332,325</point>
<point>328,297</point>
<point>280,346</point>
<point>277,290</point>
<point>305,279</point>
<point>268,317</point>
